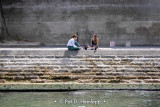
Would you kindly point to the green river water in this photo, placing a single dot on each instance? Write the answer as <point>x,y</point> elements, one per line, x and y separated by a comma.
<point>94,98</point>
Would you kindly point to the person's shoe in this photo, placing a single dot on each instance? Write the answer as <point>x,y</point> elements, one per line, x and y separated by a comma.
<point>85,48</point>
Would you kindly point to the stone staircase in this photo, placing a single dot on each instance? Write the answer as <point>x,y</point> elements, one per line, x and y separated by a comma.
<point>38,65</point>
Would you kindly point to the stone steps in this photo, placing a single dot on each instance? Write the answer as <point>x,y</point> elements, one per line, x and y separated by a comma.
<point>100,65</point>
<point>53,76</point>
<point>117,67</point>
<point>96,72</point>
<point>106,75</point>
<point>78,70</point>
<point>53,65</point>
<point>109,79</point>
<point>82,57</point>
<point>80,64</point>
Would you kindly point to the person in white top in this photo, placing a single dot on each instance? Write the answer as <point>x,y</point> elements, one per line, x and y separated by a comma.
<point>73,44</point>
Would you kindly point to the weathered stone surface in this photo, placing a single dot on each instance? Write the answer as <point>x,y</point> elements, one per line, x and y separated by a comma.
<point>7,77</point>
<point>125,67</point>
<point>38,80</point>
<point>85,81</point>
<point>53,21</point>
<point>2,80</point>
<point>31,77</point>
<point>152,80</point>
<point>19,78</point>
<point>45,77</point>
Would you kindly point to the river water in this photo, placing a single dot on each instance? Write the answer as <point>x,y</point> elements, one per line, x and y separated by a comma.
<point>85,98</point>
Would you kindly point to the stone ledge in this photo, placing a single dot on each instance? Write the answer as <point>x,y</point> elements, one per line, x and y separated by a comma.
<point>76,86</point>
<point>61,52</point>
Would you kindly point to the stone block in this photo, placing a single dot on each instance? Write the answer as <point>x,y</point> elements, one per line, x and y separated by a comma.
<point>45,77</point>
<point>2,80</point>
<point>61,77</point>
<point>144,77</point>
<point>152,81</point>
<point>38,80</point>
<point>7,77</point>
<point>114,81</point>
<point>85,81</point>
<point>19,78</point>
<point>104,77</point>
<point>31,77</point>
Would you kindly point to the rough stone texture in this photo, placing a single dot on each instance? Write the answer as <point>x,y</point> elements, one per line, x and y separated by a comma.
<point>53,21</point>
<point>132,65</point>
<point>37,80</point>
<point>2,80</point>
<point>76,86</point>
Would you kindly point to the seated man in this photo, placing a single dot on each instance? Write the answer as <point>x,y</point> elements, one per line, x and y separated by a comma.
<point>73,44</point>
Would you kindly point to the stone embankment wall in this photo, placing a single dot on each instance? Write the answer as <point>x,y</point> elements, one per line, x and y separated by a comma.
<point>53,21</point>
<point>61,65</point>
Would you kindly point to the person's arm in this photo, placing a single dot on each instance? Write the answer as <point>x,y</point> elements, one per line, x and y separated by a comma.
<point>97,42</point>
<point>73,43</point>
<point>91,41</point>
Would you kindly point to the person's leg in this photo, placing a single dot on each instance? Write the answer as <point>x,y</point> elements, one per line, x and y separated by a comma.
<point>76,48</point>
<point>87,47</point>
<point>92,47</point>
<point>95,47</point>
<point>77,44</point>
<point>70,47</point>
<point>73,48</point>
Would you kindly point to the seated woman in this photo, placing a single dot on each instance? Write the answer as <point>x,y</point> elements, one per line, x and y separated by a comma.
<point>73,44</point>
<point>94,42</point>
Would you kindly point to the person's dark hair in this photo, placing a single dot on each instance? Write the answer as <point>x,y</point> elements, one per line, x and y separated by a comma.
<point>74,36</point>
